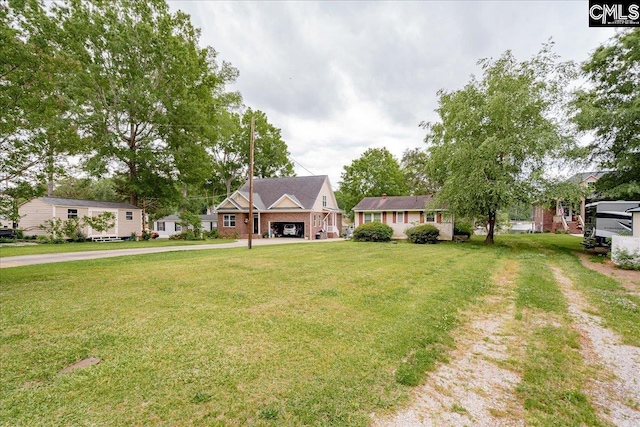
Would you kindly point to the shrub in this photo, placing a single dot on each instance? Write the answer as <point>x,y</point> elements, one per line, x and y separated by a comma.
<point>423,234</point>
<point>462,229</point>
<point>213,234</point>
<point>373,232</point>
<point>627,260</point>
<point>146,234</point>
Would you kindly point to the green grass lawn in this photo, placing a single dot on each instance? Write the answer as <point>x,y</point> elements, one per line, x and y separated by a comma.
<point>277,336</point>
<point>10,250</point>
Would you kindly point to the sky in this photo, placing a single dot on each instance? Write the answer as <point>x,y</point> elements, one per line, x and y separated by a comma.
<point>339,77</point>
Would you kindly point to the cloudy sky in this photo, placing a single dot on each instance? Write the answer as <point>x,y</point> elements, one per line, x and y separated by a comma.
<point>341,77</point>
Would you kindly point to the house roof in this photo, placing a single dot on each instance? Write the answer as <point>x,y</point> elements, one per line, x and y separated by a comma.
<point>581,176</point>
<point>302,189</point>
<point>60,201</point>
<point>393,203</point>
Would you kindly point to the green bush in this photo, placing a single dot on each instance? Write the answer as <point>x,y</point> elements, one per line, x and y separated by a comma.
<point>423,234</point>
<point>627,260</point>
<point>462,229</point>
<point>213,234</point>
<point>373,232</point>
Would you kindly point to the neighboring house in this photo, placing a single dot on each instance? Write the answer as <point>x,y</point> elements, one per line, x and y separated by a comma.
<point>306,205</point>
<point>128,218</point>
<point>170,225</point>
<point>403,212</point>
<point>563,216</point>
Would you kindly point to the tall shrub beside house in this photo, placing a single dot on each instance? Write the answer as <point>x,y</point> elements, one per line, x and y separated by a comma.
<point>373,232</point>
<point>423,234</point>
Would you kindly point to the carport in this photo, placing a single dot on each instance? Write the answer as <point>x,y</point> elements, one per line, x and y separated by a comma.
<point>277,228</point>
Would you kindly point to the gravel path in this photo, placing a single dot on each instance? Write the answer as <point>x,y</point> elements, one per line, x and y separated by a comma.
<point>473,389</point>
<point>617,396</point>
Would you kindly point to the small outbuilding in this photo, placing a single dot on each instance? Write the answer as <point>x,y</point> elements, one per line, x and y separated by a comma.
<point>34,213</point>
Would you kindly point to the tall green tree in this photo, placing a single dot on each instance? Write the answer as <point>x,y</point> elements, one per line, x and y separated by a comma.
<point>610,107</point>
<point>414,167</point>
<point>142,92</point>
<point>374,173</point>
<point>495,134</point>
<point>36,119</point>
<point>230,153</point>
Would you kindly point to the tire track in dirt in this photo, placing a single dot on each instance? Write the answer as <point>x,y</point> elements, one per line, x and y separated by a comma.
<point>616,390</point>
<point>474,388</point>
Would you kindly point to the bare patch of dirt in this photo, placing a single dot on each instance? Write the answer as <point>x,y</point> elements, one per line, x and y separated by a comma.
<point>628,278</point>
<point>616,389</point>
<point>474,388</point>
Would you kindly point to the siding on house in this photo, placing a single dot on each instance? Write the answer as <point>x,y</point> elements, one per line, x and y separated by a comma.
<point>37,211</point>
<point>209,222</point>
<point>308,200</point>
<point>403,212</point>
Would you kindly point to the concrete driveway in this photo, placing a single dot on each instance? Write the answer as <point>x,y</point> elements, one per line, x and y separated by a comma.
<point>18,261</point>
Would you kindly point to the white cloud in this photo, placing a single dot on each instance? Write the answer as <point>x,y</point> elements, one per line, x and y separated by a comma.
<point>341,77</point>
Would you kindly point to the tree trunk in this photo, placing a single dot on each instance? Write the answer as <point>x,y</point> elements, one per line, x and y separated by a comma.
<point>184,198</point>
<point>227,183</point>
<point>492,224</point>
<point>50,166</point>
<point>133,173</point>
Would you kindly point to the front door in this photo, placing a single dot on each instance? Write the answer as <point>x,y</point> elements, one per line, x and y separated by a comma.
<point>256,224</point>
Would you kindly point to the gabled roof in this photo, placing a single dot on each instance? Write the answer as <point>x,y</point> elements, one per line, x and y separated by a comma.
<point>59,201</point>
<point>393,203</point>
<point>303,190</point>
<point>293,199</point>
<point>582,176</point>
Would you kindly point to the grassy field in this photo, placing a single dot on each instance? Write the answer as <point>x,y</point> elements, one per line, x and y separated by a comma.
<point>277,336</point>
<point>10,250</point>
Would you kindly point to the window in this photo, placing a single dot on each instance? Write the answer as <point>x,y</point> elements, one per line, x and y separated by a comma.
<point>430,216</point>
<point>324,201</point>
<point>128,216</point>
<point>400,217</point>
<point>229,221</point>
<point>178,227</point>
<point>372,217</point>
<point>72,213</point>
<point>160,226</point>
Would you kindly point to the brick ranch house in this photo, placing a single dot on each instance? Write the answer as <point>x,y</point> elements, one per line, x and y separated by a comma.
<point>403,212</point>
<point>306,205</point>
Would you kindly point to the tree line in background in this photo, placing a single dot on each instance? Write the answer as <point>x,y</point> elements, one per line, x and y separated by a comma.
<point>124,87</point>
<point>496,137</point>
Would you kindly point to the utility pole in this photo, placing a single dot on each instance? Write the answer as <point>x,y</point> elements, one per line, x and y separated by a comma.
<point>251,185</point>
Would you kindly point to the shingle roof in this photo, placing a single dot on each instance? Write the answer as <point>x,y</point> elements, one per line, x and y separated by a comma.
<point>304,189</point>
<point>392,203</point>
<point>59,201</point>
<point>581,176</point>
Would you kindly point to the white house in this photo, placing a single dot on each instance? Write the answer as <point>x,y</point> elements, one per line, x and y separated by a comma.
<point>170,225</point>
<point>403,212</point>
<point>128,218</point>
